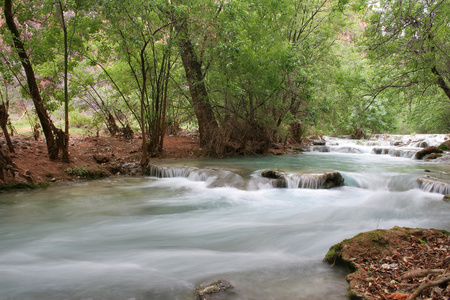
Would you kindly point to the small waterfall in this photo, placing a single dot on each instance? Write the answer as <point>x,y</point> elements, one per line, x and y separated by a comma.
<point>378,144</point>
<point>402,153</point>
<point>165,172</point>
<point>193,174</point>
<point>377,182</point>
<point>319,149</point>
<point>304,181</point>
<point>433,185</point>
<point>311,181</point>
<point>214,178</point>
<point>420,144</point>
<point>349,150</point>
<point>395,152</point>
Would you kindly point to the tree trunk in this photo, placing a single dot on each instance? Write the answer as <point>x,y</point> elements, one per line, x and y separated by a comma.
<point>46,122</point>
<point>6,164</point>
<point>3,124</point>
<point>144,160</point>
<point>441,82</point>
<point>207,123</point>
<point>65,136</point>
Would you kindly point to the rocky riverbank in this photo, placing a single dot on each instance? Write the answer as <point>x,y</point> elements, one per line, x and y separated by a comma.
<point>400,263</point>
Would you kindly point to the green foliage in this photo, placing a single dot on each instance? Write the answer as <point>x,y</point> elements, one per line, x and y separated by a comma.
<point>445,146</point>
<point>77,171</point>
<point>330,67</point>
<point>411,40</point>
<point>81,172</point>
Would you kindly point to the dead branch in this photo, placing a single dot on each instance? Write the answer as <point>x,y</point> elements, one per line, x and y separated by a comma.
<point>438,281</point>
<point>421,273</point>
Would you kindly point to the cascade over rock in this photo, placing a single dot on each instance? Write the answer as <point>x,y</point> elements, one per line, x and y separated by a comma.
<point>306,181</point>
<point>434,185</point>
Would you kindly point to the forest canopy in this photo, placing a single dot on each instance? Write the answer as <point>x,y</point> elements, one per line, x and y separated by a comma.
<point>245,73</point>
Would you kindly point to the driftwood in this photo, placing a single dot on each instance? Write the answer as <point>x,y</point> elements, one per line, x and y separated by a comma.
<point>421,273</point>
<point>438,281</point>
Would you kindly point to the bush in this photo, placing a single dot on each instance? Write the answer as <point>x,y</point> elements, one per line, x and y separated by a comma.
<point>77,171</point>
<point>445,146</point>
<point>88,174</point>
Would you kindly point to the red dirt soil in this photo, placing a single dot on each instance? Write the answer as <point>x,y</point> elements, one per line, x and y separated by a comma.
<point>88,152</point>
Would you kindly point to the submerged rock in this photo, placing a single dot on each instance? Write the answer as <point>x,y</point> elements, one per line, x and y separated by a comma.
<point>212,290</point>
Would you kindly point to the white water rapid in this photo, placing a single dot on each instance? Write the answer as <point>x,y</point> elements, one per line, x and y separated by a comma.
<point>157,237</point>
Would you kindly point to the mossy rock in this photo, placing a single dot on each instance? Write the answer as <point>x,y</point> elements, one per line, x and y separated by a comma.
<point>354,253</point>
<point>212,290</point>
<point>17,186</point>
<point>445,146</point>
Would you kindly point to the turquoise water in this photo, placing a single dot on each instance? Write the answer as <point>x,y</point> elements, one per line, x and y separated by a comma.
<point>157,238</point>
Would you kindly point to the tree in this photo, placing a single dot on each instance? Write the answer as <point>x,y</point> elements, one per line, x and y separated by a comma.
<point>65,142</point>
<point>194,65</point>
<point>52,134</point>
<point>4,108</point>
<point>142,40</point>
<point>412,39</point>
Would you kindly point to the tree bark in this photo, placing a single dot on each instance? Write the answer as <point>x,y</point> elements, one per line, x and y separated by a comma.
<point>65,135</point>
<point>6,164</point>
<point>207,123</point>
<point>3,124</point>
<point>46,122</point>
<point>441,82</point>
<point>144,160</point>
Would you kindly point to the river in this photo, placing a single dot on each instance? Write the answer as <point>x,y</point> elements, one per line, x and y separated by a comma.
<point>157,238</point>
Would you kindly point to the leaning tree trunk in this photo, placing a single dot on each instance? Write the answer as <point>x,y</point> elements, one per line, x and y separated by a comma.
<point>440,81</point>
<point>207,123</point>
<point>3,124</point>
<point>47,125</point>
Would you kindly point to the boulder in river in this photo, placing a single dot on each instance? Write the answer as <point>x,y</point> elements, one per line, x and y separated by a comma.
<point>433,156</point>
<point>212,290</point>
<point>273,174</point>
<point>426,151</point>
<point>278,177</point>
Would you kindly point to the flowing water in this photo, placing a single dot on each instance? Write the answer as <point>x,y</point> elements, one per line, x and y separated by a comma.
<point>158,237</point>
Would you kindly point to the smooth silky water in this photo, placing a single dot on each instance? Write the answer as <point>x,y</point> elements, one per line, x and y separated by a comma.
<point>157,238</point>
